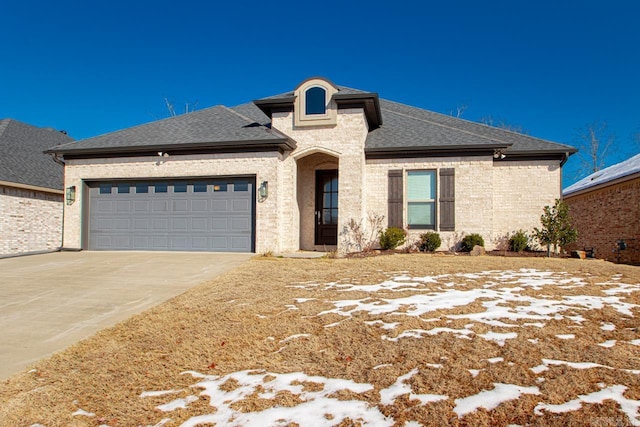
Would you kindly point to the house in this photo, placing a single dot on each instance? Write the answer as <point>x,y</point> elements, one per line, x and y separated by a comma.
<point>31,184</point>
<point>291,171</point>
<point>605,209</point>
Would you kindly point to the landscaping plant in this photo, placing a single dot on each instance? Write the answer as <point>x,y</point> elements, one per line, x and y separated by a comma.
<point>392,237</point>
<point>471,240</point>
<point>429,241</point>
<point>556,230</point>
<point>519,241</point>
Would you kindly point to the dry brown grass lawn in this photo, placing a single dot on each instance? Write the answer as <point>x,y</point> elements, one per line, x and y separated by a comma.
<point>265,316</point>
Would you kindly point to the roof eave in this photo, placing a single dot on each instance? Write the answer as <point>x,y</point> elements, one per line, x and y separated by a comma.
<point>285,144</point>
<point>602,185</point>
<point>433,151</point>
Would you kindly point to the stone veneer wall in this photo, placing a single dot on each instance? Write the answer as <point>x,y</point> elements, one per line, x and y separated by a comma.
<point>30,220</point>
<point>491,198</point>
<point>604,216</point>
<point>264,165</point>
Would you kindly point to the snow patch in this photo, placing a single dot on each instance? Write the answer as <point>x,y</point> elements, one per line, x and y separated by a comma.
<point>490,399</point>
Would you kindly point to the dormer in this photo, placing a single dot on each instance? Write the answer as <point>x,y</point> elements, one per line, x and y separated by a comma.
<point>314,104</point>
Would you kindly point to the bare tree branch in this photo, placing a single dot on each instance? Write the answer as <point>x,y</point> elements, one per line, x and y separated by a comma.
<point>594,142</point>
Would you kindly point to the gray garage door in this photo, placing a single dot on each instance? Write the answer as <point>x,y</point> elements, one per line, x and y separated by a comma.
<point>180,215</point>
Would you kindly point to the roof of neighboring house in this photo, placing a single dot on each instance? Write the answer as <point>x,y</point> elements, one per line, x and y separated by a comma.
<point>395,129</point>
<point>216,127</point>
<point>619,171</point>
<point>22,158</point>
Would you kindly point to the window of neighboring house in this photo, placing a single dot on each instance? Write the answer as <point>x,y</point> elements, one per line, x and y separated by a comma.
<point>315,101</point>
<point>421,199</point>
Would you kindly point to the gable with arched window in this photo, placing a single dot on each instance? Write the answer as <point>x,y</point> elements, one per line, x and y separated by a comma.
<point>313,105</point>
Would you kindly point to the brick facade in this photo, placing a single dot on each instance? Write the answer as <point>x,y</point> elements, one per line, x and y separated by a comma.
<point>30,220</point>
<point>493,198</point>
<point>603,216</point>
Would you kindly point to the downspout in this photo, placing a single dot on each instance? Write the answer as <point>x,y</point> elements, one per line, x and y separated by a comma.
<point>61,162</point>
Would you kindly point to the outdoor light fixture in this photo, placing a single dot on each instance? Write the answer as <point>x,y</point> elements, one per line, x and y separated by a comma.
<point>264,190</point>
<point>70,195</point>
<point>498,154</point>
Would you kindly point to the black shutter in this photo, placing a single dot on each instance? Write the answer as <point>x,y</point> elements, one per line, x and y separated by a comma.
<point>395,198</point>
<point>447,200</point>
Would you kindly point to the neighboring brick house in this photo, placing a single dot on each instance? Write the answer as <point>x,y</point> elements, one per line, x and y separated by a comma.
<point>290,172</point>
<point>605,208</point>
<point>31,185</point>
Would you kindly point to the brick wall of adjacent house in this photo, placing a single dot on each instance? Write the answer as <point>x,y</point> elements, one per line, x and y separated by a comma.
<point>604,216</point>
<point>492,199</point>
<point>30,221</point>
<point>264,165</point>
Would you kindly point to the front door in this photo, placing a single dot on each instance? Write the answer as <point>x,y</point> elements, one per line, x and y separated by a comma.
<point>326,207</point>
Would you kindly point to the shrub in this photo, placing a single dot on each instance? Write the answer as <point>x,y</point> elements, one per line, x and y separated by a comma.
<point>519,241</point>
<point>557,230</point>
<point>429,241</point>
<point>468,242</point>
<point>392,237</point>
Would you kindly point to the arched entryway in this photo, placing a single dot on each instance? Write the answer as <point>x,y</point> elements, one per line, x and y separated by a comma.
<point>318,199</point>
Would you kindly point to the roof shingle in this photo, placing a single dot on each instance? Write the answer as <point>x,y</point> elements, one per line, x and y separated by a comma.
<point>22,158</point>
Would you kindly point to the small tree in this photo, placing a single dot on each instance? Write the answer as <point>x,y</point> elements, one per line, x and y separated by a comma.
<point>556,227</point>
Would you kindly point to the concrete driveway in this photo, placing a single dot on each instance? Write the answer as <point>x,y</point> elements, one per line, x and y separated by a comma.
<point>50,301</point>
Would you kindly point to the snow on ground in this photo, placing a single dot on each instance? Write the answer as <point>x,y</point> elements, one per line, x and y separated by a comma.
<point>490,399</point>
<point>506,301</point>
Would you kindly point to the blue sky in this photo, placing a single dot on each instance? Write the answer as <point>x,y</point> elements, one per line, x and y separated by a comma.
<point>550,67</point>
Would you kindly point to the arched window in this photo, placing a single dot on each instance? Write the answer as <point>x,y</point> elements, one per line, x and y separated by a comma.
<point>315,101</point>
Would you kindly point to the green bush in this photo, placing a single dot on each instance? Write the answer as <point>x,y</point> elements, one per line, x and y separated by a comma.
<point>468,242</point>
<point>519,241</point>
<point>392,237</point>
<point>429,241</point>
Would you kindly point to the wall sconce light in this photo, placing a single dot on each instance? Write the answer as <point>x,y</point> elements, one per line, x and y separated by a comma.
<point>263,191</point>
<point>70,195</point>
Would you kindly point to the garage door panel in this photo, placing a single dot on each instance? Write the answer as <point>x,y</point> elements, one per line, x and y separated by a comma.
<point>200,224</point>
<point>218,224</point>
<point>200,243</point>
<point>240,206</point>
<point>160,206</point>
<point>141,242</point>
<point>219,243</point>
<point>104,206</point>
<point>240,224</point>
<point>219,206</point>
<point>160,224</point>
<point>178,243</point>
<point>140,224</point>
<point>180,205</point>
<point>179,224</point>
<point>159,243</point>
<point>123,206</point>
<point>184,218</point>
<point>141,206</point>
<point>103,224</point>
<point>121,224</point>
<point>199,205</point>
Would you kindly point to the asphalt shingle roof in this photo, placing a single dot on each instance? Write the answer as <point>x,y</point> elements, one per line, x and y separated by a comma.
<point>406,126</point>
<point>619,170</point>
<point>211,127</point>
<point>22,158</point>
<point>403,128</point>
